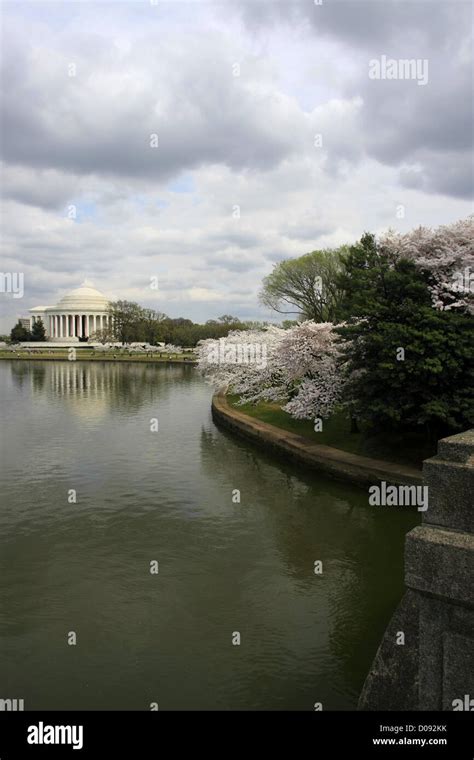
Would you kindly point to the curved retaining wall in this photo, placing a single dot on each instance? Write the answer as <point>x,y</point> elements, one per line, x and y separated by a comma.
<point>334,462</point>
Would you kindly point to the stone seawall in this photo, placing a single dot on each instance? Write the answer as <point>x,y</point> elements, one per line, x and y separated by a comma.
<point>431,665</point>
<point>339,464</point>
<point>426,658</point>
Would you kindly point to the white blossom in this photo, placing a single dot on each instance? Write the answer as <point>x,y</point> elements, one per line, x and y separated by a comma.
<point>300,368</point>
<point>446,254</point>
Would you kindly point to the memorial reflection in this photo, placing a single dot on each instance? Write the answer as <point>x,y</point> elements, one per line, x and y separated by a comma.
<point>95,388</point>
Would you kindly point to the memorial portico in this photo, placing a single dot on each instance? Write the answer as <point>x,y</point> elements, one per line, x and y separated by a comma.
<point>79,314</point>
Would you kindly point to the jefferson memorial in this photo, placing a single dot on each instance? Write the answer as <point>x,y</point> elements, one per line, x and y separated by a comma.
<point>79,314</point>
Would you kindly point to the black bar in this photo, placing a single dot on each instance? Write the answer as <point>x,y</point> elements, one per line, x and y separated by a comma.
<point>317,735</point>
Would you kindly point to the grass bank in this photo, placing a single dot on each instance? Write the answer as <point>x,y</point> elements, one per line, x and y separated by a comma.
<point>408,449</point>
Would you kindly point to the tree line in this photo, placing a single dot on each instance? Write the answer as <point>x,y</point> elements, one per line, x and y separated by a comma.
<point>132,323</point>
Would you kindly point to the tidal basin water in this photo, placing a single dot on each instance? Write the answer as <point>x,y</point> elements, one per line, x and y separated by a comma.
<point>224,567</point>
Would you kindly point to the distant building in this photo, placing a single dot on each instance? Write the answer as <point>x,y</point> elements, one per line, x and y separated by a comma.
<point>78,314</point>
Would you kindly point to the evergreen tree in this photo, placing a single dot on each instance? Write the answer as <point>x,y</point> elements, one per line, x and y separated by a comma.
<point>19,333</point>
<point>409,364</point>
<point>38,332</point>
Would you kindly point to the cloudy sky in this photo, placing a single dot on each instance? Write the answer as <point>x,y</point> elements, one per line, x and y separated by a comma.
<point>202,142</point>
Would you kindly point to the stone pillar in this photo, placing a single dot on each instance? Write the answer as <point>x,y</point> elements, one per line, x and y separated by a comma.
<point>86,325</point>
<point>434,668</point>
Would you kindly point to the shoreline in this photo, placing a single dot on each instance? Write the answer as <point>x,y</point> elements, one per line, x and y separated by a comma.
<point>64,357</point>
<point>336,463</point>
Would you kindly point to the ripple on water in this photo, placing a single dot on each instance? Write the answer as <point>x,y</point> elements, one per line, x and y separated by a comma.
<point>224,567</point>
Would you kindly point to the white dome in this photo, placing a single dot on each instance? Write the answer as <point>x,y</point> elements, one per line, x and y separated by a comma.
<point>84,298</point>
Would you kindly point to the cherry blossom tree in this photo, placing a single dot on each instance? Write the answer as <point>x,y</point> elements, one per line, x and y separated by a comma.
<point>243,361</point>
<point>310,357</point>
<point>297,367</point>
<point>169,348</point>
<point>445,254</point>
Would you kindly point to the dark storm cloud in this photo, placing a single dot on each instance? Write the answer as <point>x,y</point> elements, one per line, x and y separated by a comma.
<point>101,120</point>
<point>400,121</point>
<point>45,189</point>
<point>450,174</point>
<point>394,22</point>
<point>151,115</point>
<point>360,22</point>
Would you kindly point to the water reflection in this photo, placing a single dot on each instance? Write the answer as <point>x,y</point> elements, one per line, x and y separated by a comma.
<point>224,566</point>
<point>322,519</point>
<point>97,388</point>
